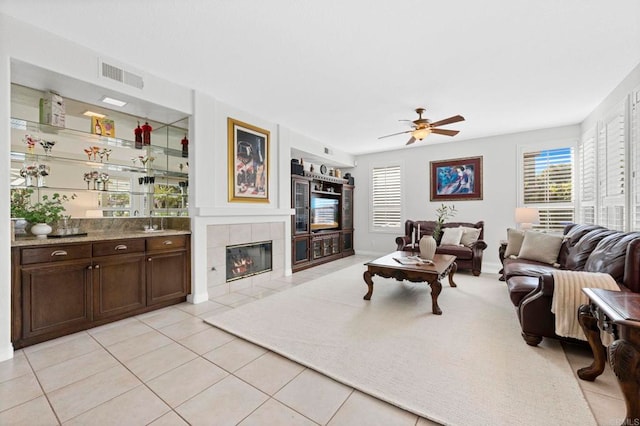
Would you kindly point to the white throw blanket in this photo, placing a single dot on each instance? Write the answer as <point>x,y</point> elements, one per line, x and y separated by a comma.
<point>568,296</point>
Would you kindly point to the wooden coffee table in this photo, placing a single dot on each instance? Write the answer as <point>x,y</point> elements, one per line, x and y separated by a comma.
<point>388,267</point>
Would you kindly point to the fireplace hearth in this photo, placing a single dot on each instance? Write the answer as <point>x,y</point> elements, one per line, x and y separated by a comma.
<point>245,260</point>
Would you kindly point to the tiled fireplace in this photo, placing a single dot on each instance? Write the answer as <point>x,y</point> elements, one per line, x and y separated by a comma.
<point>241,239</point>
<point>246,260</point>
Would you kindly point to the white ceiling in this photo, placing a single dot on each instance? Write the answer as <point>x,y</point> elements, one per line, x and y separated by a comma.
<point>343,72</point>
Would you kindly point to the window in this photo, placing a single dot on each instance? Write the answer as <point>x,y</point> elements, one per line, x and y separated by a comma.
<point>588,176</point>
<point>611,169</point>
<point>386,196</point>
<point>635,159</point>
<point>547,184</point>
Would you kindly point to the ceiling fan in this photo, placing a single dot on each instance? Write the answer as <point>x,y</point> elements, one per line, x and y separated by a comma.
<point>423,127</point>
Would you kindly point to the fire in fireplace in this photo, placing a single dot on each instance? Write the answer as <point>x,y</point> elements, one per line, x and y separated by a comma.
<point>245,260</point>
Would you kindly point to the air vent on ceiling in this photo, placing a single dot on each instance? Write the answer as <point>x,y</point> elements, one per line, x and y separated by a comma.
<point>116,73</point>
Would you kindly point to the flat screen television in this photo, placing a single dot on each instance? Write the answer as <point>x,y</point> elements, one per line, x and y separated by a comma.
<point>324,213</point>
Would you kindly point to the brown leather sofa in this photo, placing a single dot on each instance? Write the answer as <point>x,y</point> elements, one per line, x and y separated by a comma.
<point>467,257</point>
<point>588,248</point>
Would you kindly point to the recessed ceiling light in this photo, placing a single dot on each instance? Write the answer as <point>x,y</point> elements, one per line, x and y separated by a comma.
<point>112,101</point>
<point>93,114</point>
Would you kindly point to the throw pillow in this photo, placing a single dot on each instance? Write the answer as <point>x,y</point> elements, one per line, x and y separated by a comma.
<point>469,236</point>
<point>451,237</point>
<point>514,242</point>
<point>540,247</point>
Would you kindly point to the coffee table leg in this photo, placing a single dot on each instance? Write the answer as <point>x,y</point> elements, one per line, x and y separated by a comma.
<point>454,268</point>
<point>368,279</point>
<point>436,288</point>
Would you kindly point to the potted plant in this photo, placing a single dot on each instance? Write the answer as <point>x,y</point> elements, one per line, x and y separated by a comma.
<point>45,212</point>
<point>20,198</point>
<point>444,212</point>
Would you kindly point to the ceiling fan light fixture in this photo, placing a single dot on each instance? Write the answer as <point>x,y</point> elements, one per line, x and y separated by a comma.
<point>420,134</point>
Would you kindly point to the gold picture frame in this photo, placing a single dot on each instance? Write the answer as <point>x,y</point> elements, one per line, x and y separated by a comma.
<point>248,151</point>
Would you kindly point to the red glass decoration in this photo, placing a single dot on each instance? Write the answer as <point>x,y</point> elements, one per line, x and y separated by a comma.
<point>138,134</point>
<point>185,147</point>
<point>146,133</point>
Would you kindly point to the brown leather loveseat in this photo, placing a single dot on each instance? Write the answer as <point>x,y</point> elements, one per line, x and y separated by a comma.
<point>468,256</point>
<point>589,248</point>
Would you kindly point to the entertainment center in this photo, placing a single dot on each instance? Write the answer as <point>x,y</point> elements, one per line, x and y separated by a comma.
<point>322,224</point>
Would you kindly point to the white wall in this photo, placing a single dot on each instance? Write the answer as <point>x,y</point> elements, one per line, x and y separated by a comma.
<point>499,186</point>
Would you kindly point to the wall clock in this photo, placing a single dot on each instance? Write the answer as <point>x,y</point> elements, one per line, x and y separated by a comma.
<point>323,169</point>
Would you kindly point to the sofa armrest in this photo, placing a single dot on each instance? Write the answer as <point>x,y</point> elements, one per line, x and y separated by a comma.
<point>402,242</point>
<point>545,285</point>
<point>477,247</point>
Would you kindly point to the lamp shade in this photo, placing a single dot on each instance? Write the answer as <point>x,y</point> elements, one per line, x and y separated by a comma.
<point>421,133</point>
<point>526,215</point>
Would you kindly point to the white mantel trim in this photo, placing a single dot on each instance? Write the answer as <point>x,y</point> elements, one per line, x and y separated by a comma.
<point>204,212</point>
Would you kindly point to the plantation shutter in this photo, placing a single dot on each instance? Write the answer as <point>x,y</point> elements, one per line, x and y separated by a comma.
<point>635,159</point>
<point>587,167</point>
<point>548,186</point>
<point>611,165</point>
<point>386,197</point>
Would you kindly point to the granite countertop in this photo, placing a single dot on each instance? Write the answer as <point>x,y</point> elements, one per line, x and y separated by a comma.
<point>27,241</point>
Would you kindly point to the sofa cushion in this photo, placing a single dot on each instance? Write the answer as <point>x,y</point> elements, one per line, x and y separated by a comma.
<point>610,254</point>
<point>572,236</point>
<point>469,235</point>
<point>524,267</point>
<point>461,252</point>
<point>514,242</point>
<point>519,287</point>
<point>451,236</point>
<point>579,251</point>
<point>540,247</point>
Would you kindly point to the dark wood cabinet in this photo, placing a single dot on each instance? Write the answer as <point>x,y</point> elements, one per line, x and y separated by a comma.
<point>64,288</point>
<point>118,285</point>
<point>301,250</point>
<point>300,204</point>
<point>118,277</point>
<point>322,223</point>
<point>167,269</point>
<point>56,298</point>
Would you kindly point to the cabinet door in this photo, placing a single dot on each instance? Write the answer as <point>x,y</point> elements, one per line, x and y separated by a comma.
<point>167,276</point>
<point>56,298</point>
<point>347,207</point>
<point>347,242</point>
<point>300,202</point>
<point>118,284</point>
<point>301,250</point>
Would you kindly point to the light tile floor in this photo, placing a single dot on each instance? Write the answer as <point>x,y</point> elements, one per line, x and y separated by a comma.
<point>168,367</point>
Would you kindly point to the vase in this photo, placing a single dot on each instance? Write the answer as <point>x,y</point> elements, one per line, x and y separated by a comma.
<point>20,226</point>
<point>427,247</point>
<point>41,230</point>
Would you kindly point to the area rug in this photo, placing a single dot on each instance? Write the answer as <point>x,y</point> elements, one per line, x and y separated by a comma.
<point>467,366</point>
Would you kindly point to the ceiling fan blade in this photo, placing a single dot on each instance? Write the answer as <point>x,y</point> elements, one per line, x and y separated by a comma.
<point>395,134</point>
<point>412,140</point>
<point>445,132</point>
<point>449,120</point>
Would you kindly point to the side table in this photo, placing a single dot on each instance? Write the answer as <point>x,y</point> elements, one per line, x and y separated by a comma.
<point>501,250</point>
<point>617,313</point>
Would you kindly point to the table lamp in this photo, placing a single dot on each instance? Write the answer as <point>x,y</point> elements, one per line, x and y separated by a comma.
<point>526,217</point>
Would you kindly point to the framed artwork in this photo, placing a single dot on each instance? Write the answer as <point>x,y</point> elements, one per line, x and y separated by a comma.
<point>248,162</point>
<point>457,179</point>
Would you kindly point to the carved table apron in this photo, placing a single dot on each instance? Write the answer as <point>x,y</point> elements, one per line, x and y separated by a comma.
<point>618,313</point>
<point>388,267</point>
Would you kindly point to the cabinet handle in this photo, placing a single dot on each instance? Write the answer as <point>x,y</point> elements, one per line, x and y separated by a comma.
<point>167,242</point>
<point>149,260</point>
<point>121,247</point>
<point>58,253</point>
<point>89,267</point>
<point>97,266</point>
